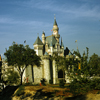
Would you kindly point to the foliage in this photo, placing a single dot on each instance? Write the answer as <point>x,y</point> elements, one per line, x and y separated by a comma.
<point>79,86</point>
<point>94,63</point>
<point>95,84</point>
<point>89,67</point>
<point>12,77</point>
<point>83,60</point>
<point>20,91</point>
<point>43,81</point>
<point>84,68</point>
<point>61,61</point>
<point>81,82</point>
<point>83,85</point>
<point>50,81</point>
<point>21,56</point>
<point>61,83</point>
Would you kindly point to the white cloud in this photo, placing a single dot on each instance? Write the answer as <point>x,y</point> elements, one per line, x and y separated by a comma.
<point>83,10</point>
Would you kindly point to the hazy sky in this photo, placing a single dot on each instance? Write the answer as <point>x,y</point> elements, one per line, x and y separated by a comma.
<point>79,20</point>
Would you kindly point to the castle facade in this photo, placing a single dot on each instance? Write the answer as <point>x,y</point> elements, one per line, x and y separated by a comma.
<point>45,49</point>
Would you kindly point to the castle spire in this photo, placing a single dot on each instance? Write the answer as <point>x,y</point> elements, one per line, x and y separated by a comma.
<point>55,23</point>
<point>56,30</point>
<point>55,27</point>
<point>62,45</point>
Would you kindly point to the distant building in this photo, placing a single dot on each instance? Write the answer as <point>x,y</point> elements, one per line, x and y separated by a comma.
<point>5,68</point>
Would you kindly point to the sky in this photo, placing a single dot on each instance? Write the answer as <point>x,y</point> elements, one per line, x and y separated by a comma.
<point>79,20</point>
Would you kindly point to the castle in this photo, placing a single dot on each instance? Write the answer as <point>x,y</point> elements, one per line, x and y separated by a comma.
<point>45,49</point>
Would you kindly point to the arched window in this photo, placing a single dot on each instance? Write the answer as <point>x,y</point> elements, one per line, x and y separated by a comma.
<point>61,74</point>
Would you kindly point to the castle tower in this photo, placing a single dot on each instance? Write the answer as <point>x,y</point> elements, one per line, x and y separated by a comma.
<point>51,47</point>
<point>38,46</point>
<point>43,37</point>
<point>56,30</point>
<point>46,46</point>
<point>62,47</point>
<point>46,60</point>
<point>55,72</point>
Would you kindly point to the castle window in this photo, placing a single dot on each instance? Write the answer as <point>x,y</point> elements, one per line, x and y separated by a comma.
<point>61,74</point>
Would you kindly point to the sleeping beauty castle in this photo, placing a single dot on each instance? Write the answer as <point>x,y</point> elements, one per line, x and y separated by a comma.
<point>45,48</point>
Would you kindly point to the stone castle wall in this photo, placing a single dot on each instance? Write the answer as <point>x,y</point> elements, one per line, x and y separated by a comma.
<point>37,74</point>
<point>46,68</point>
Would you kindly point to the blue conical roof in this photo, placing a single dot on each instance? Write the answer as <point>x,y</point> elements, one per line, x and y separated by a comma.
<point>46,53</point>
<point>55,23</point>
<point>38,41</point>
<point>70,53</point>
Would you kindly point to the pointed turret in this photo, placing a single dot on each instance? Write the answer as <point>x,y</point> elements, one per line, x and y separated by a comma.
<point>62,45</point>
<point>55,27</point>
<point>55,23</point>
<point>38,46</point>
<point>38,41</point>
<point>55,30</point>
<point>43,37</point>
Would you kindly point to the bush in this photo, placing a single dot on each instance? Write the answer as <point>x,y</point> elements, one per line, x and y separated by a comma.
<point>28,84</point>
<point>61,83</point>
<point>43,81</point>
<point>28,94</point>
<point>83,85</point>
<point>20,91</point>
<point>50,81</point>
<point>95,84</point>
<point>13,77</point>
<point>79,87</point>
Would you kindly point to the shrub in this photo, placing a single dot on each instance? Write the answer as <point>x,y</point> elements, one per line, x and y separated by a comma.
<point>13,77</point>
<point>28,94</point>
<point>43,81</point>
<point>20,91</point>
<point>28,84</point>
<point>79,87</point>
<point>50,81</point>
<point>97,83</point>
<point>61,83</point>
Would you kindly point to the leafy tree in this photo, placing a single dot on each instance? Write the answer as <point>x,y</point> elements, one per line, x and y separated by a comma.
<point>94,64</point>
<point>21,56</point>
<point>12,77</point>
<point>83,60</point>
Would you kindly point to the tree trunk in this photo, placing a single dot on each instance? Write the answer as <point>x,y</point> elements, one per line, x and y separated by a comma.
<point>21,78</point>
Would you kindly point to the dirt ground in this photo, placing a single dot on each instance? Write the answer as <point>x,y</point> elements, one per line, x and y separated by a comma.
<point>55,93</point>
<point>46,93</point>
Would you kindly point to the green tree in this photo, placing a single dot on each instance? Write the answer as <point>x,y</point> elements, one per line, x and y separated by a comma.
<point>83,60</point>
<point>94,64</point>
<point>21,56</point>
<point>12,77</point>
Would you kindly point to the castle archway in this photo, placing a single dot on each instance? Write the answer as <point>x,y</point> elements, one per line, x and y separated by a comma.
<point>61,74</point>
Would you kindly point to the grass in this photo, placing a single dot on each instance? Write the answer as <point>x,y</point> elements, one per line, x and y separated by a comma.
<point>30,84</point>
<point>20,91</point>
<point>57,85</point>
